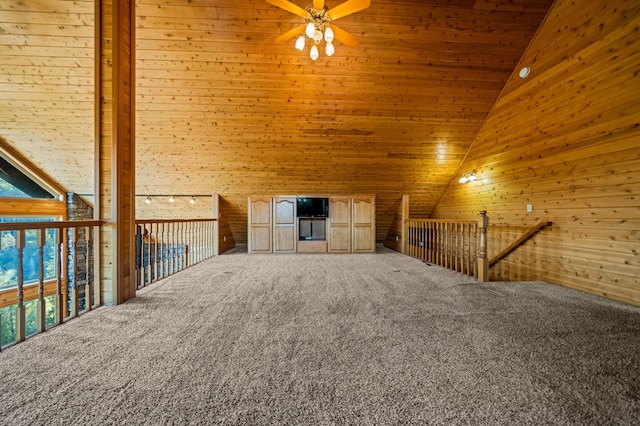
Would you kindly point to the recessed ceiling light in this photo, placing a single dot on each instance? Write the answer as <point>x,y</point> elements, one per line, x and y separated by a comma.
<point>524,72</point>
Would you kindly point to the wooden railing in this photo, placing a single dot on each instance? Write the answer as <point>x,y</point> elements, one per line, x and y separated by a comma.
<point>65,250</point>
<point>69,291</point>
<point>456,245</point>
<point>517,243</point>
<point>165,247</point>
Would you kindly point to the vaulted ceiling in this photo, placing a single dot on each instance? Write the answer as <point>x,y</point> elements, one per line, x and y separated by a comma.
<point>223,108</point>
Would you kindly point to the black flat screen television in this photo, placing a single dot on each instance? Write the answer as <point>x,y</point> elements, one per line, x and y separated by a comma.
<point>313,207</point>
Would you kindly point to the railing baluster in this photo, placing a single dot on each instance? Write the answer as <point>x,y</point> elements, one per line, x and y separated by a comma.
<point>423,242</point>
<point>178,247</point>
<point>173,247</point>
<point>209,234</point>
<point>168,249</point>
<point>483,262</point>
<point>58,259</point>
<point>182,247</point>
<point>88,287</point>
<point>196,247</point>
<point>40,304</point>
<point>197,242</point>
<point>20,313</point>
<point>191,246</point>
<point>469,244</point>
<point>153,253</point>
<point>149,270</point>
<point>74,272</point>
<point>456,247</point>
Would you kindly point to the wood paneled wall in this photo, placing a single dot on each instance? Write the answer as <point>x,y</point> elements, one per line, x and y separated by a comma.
<point>395,236</point>
<point>47,86</point>
<point>566,141</point>
<point>161,208</point>
<point>224,108</point>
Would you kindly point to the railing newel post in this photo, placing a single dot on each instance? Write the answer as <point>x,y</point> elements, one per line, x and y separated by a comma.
<point>483,262</point>
<point>88,286</point>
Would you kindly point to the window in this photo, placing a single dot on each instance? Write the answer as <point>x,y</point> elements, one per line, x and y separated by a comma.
<point>30,263</point>
<point>14,183</point>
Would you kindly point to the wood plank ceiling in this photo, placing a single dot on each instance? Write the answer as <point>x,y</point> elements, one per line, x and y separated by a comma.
<point>223,108</point>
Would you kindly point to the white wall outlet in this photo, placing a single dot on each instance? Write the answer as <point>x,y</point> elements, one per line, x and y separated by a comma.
<point>529,208</point>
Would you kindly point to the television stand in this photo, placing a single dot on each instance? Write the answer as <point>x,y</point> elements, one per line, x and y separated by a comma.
<point>312,235</point>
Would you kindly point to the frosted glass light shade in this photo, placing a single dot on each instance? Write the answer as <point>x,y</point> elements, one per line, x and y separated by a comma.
<point>328,35</point>
<point>317,37</point>
<point>329,50</point>
<point>314,52</point>
<point>300,43</point>
<point>311,30</point>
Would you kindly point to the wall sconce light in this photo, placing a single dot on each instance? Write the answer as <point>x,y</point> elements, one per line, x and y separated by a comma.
<point>171,199</point>
<point>192,200</point>
<point>468,177</point>
<point>148,199</point>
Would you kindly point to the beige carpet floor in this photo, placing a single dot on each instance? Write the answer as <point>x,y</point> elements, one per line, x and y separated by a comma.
<point>378,339</point>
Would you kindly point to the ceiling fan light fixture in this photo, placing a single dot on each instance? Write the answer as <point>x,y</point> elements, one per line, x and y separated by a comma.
<point>329,49</point>
<point>311,30</point>
<point>468,177</point>
<point>317,37</point>
<point>314,52</point>
<point>318,17</point>
<point>328,34</point>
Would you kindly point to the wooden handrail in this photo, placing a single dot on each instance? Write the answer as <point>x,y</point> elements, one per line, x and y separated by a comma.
<point>524,238</point>
<point>468,222</point>
<point>14,226</point>
<point>143,221</point>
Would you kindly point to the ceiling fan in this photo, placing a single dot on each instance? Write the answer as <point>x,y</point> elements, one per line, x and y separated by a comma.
<point>319,23</point>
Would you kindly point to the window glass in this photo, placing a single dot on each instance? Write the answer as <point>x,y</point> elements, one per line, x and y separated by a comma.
<point>14,183</point>
<point>30,262</point>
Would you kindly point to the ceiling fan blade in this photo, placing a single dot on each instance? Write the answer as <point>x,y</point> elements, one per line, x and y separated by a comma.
<point>344,36</point>
<point>318,4</point>
<point>288,6</point>
<point>347,8</point>
<point>291,33</point>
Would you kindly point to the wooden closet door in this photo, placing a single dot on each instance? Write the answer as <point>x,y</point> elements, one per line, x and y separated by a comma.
<point>260,225</point>
<point>339,224</point>
<point>364,224</point>
<point>284,225</point>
